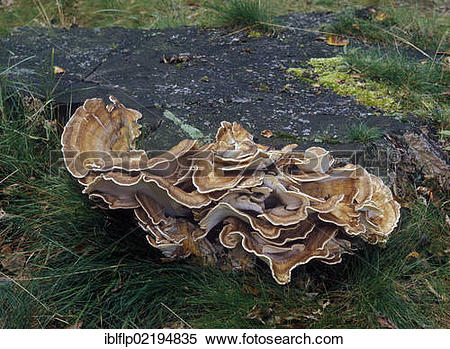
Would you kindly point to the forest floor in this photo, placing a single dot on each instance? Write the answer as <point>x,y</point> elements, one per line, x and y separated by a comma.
<point>349,81</point>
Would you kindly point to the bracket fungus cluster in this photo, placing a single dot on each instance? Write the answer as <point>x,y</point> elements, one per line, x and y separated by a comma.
<point>283,206</point>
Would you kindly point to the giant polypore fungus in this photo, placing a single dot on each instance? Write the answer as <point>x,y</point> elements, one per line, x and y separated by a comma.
<point>284,207</point>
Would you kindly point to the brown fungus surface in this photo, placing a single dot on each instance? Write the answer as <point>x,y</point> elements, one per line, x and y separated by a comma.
<point>282,206</point>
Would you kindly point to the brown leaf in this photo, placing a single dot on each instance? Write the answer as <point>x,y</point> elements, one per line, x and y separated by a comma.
<point>12,261</point>
<point>267,133</point>
<point>251,289</point>
<point>58,70</point>
<point>76,325</point>
<point>385,322</point>
<point>380,16</point>
<point>334,40</point>
<point>257,314</point>
<point>179,325</point>
<point>413,254</point>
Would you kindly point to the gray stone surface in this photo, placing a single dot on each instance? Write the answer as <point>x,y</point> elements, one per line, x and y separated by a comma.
<point>221,80</point>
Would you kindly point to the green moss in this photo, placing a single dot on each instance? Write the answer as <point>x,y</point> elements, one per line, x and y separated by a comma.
<point>302,74</point>
<point>287,137</point>
<point>335,74</point>
<point>254,34</point>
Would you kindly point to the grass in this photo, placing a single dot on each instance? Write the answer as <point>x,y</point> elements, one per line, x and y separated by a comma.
<point>154,13</point>
<point>243,13</point>
<point>409,58</point>
<point>420,86</point>
<point>65,263</point>
<point>101,13</point>
<point>363,134</point>
<point>396,24</point>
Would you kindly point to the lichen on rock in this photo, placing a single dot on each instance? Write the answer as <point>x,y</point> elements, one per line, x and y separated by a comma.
<point>335,74</point>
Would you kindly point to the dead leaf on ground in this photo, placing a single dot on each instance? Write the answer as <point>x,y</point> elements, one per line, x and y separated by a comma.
<point>267,133</point>
<point>11,260</point>
<point>381,16</point>
<point>76,325</point>
<point>378,16</point>
<point>257,314</point>
<point>177,325</point>
<point>334,40</point>
<point>58,70</point>
<point>413,254</point>
<point>386,322</point>
<point>180,58</point>
<point>251,289</point>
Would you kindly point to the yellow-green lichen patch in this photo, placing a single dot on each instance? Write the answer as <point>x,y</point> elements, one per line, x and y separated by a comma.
<point>254,34</point>
<point>335,74</point>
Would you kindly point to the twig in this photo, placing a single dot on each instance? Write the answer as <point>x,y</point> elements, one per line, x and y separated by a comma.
<point>437,50</point>
<point>184,322</point>
<point>240,30</point>
<point>4,179</point>
<point>28,292</point>
<point>301,29</point>
<point>407,42</point>
<point>74,273</point>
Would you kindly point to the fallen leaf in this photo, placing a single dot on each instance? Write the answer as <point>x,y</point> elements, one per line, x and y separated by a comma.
<point>413,254</point>
<point>179,325</point>
<point>76,325</point>
<point>334,40</point>
<point>380,16</point>
<point>58,70</point>
<point>180,58</point>
<point>10,260</point>
<point>267,133</point>
<point>256,314</point>
<point>385,322</point>
<point>356,26</point>
<point>251,289</point>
